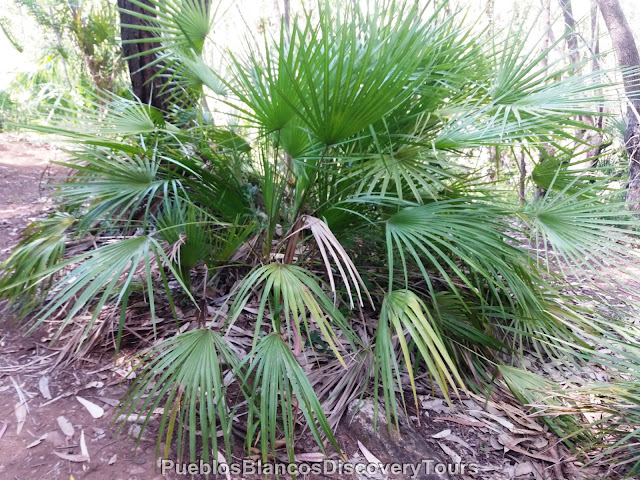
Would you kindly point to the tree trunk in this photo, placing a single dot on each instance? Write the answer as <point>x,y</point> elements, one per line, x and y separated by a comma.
<point>598,121</point>
<point>523,178</point>
<point>548,37</point>
<point>147,86</point>
<point>570,29</point>
<point>627,52</point>
<point>287,13</point>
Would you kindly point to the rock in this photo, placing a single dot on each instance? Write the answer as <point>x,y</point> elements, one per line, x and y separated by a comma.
<point>406,447</point>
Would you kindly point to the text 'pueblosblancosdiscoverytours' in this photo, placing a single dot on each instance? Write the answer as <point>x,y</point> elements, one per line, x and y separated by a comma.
<point>327,467</point>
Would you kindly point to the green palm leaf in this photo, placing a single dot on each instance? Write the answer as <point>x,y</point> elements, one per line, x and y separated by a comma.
<point>102,275</point>
<point>42,247</point>
<point>294,292</point>
<point>463,240</point>
<point>280,386</point>
<point>115,185</point>
<point>184,375</point>
<point>403,312</point>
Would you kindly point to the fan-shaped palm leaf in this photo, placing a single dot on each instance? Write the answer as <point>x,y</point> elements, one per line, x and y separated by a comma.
<point>403,312</point>
<point>280,388</point>
<point>42,247</point>
<point>101,275</point>
<point>294,292</point>
<point>184,375</point>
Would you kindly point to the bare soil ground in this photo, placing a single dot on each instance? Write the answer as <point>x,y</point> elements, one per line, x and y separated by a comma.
<point>25,168</point>
<point>47,433</point>
<point>28,452</point>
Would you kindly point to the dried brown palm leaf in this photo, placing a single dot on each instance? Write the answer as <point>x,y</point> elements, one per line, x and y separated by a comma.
<point>331,250</point>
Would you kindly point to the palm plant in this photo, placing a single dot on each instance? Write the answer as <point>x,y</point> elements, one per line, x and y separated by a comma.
<point>343,176</point>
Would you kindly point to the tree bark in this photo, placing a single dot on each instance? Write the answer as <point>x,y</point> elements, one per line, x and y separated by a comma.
<point>147,86</point>
<point>287,13</point>
<point>598,121</point>
<point>523,178</point>
<point>570,29</point>
<point>627,52</point>
<point>548,38</point>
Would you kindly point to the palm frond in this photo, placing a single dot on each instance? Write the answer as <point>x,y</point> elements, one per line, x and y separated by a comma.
<point>177,24</point>
<point>185,377</point>
<point>330,247</point>
<point>43,246</point>
<point>532,389</point>
<point>339,74</point>
<point>404,313</point>
<point>468,253</point>
<point>102,275</point>
<point>292,292</point>
<point>587,231</point>
<point>280,388</point>
<point>115,185</point>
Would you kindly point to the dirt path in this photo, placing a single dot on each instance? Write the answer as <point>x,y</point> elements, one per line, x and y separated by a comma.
<point>29,451</point>
<point>25,170</point>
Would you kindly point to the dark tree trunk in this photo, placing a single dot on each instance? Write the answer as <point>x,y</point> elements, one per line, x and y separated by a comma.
<point>628,56</point>
<point>146,85</point>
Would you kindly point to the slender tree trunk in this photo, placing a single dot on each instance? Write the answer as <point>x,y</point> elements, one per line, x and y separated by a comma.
<point>546,151</point>
<point>287,13</point>
<point>596,139</point>
<point>570,29</point>
<point>628,56</point>
<point>571,36</point>
<point>548,38</point>
<point>146,85</point>
<point>490,12</point>
<point>523,177</point>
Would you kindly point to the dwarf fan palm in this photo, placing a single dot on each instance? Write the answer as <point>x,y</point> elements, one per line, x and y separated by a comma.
<point>344,174</point>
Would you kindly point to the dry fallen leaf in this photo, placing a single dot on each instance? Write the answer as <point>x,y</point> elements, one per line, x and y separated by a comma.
<point>37,441</point>
<point>461,421</point>
<point>459,441</point>
<point>539,442</point>
<point>94,384</point>
<point>3,427</point>
<point>512,444</point>
<point>21,416</point>
<point>112,402</point>
<point>310,457</point>
<point>371,458</point>
<point>455,458</point>
<point>71,457</point>
<point>509,441</point>
<point>495,444</point>
<point>83,446</point>
<point>95,410</point>
<point>436,405</point>
<point>43,386</point>
<point>66,426</point>
<point>524,468</point>
<point>441,434</point>
<point>113,459</point>
<point>502,421</point>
